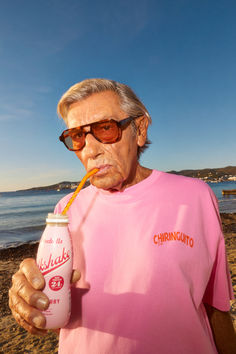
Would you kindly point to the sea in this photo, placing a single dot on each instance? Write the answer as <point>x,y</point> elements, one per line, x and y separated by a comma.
<point>23,213</point>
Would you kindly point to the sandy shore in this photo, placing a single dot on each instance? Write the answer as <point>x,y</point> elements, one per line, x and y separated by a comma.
<point>14,339</point>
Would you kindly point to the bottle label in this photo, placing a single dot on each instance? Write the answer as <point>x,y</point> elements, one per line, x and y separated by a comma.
<point>48,265</point>
<point>56,283</point>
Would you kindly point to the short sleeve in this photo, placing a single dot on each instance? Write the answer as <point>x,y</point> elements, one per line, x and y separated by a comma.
<point>219,289</point>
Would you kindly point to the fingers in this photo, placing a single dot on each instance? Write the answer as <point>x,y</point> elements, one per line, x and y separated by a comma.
<point>22,288</point>
<point>28,317</point>
<point>75,276</point>
<point>32,273</point>
<point>27,326</point>
<point>25,298</point>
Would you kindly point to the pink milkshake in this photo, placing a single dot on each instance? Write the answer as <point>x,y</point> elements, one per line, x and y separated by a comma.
<point>54,259</point>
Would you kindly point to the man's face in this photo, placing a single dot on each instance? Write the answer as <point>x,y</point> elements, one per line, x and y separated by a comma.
<point>117,162</point>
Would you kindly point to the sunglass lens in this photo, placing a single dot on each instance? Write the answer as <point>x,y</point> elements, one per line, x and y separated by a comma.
<point>106,132</point>
<point>75,141</point>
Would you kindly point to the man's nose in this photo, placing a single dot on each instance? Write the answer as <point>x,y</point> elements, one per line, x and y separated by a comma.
<point>92,146</point>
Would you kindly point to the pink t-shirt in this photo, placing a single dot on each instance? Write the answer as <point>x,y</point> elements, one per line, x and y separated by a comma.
<point>149,257</point>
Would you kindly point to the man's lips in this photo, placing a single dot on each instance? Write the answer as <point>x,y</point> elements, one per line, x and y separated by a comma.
<point>102,169</point>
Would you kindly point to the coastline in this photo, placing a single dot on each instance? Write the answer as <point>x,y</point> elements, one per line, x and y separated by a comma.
<point>14,339</point>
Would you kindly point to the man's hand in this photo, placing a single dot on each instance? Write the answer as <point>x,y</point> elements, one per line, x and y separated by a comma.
<point>26,298</point>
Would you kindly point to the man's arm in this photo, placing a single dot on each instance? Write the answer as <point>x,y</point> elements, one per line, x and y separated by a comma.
<point>222,329</point>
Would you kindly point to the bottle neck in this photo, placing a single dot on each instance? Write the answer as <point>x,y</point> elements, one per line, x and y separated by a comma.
<point>58,224</point>
<point>57,220</point>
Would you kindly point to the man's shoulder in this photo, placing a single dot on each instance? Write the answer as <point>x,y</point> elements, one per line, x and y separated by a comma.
<point>179,182</point>
<point>82,196</point>
<point>182,179</point>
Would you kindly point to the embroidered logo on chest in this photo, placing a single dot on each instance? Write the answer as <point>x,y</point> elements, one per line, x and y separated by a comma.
<point>174,236</point>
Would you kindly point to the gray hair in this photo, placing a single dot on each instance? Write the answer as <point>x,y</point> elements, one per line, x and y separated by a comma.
<point>129,102</point>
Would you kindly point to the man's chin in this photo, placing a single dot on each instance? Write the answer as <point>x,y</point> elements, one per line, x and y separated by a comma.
<point>106,183</point>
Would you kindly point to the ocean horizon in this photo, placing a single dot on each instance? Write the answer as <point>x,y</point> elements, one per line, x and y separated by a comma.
<point>23,213</point>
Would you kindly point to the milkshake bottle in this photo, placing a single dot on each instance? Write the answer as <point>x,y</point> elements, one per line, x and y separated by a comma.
<point>54,259</point>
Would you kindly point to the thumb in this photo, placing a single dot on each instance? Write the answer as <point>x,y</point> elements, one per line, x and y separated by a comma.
<point>75,276</point>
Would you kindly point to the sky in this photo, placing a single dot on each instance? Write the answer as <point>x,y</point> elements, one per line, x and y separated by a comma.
<point>177,55</point>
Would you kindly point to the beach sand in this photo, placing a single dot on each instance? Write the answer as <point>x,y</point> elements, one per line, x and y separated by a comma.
<point>14,339</point>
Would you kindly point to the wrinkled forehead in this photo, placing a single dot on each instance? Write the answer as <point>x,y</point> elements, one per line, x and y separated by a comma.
<point>99,106</point>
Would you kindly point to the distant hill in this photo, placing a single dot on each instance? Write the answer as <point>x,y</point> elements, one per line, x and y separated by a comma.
<point>58,186</point>
<point>208,174</point>
<point>222,173</point>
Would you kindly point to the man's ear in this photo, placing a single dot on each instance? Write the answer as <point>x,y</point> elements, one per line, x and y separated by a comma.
<point>142,127</point>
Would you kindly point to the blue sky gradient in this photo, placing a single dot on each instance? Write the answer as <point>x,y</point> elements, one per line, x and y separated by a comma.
<point>178,56</point>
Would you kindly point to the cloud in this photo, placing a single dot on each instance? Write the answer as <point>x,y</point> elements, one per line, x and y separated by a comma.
<point>14,111</point>
<point>6,117</point>
<point>44,89</point>
<point>20,101</point>
<point>47,29</point>
<point>54,26</point>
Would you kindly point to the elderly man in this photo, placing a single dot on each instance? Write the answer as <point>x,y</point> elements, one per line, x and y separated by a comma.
<point>148,244</point>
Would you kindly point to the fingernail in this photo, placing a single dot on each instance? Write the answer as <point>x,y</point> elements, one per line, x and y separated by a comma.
<point>38,321</point>
<point>41,304</point>
<point>37,283</point>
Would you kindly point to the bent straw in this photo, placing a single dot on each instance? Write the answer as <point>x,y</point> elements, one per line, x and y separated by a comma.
<point>80,186</point>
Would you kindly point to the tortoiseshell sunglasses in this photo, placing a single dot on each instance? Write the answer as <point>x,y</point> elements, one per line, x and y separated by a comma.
<point>106,131</point>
